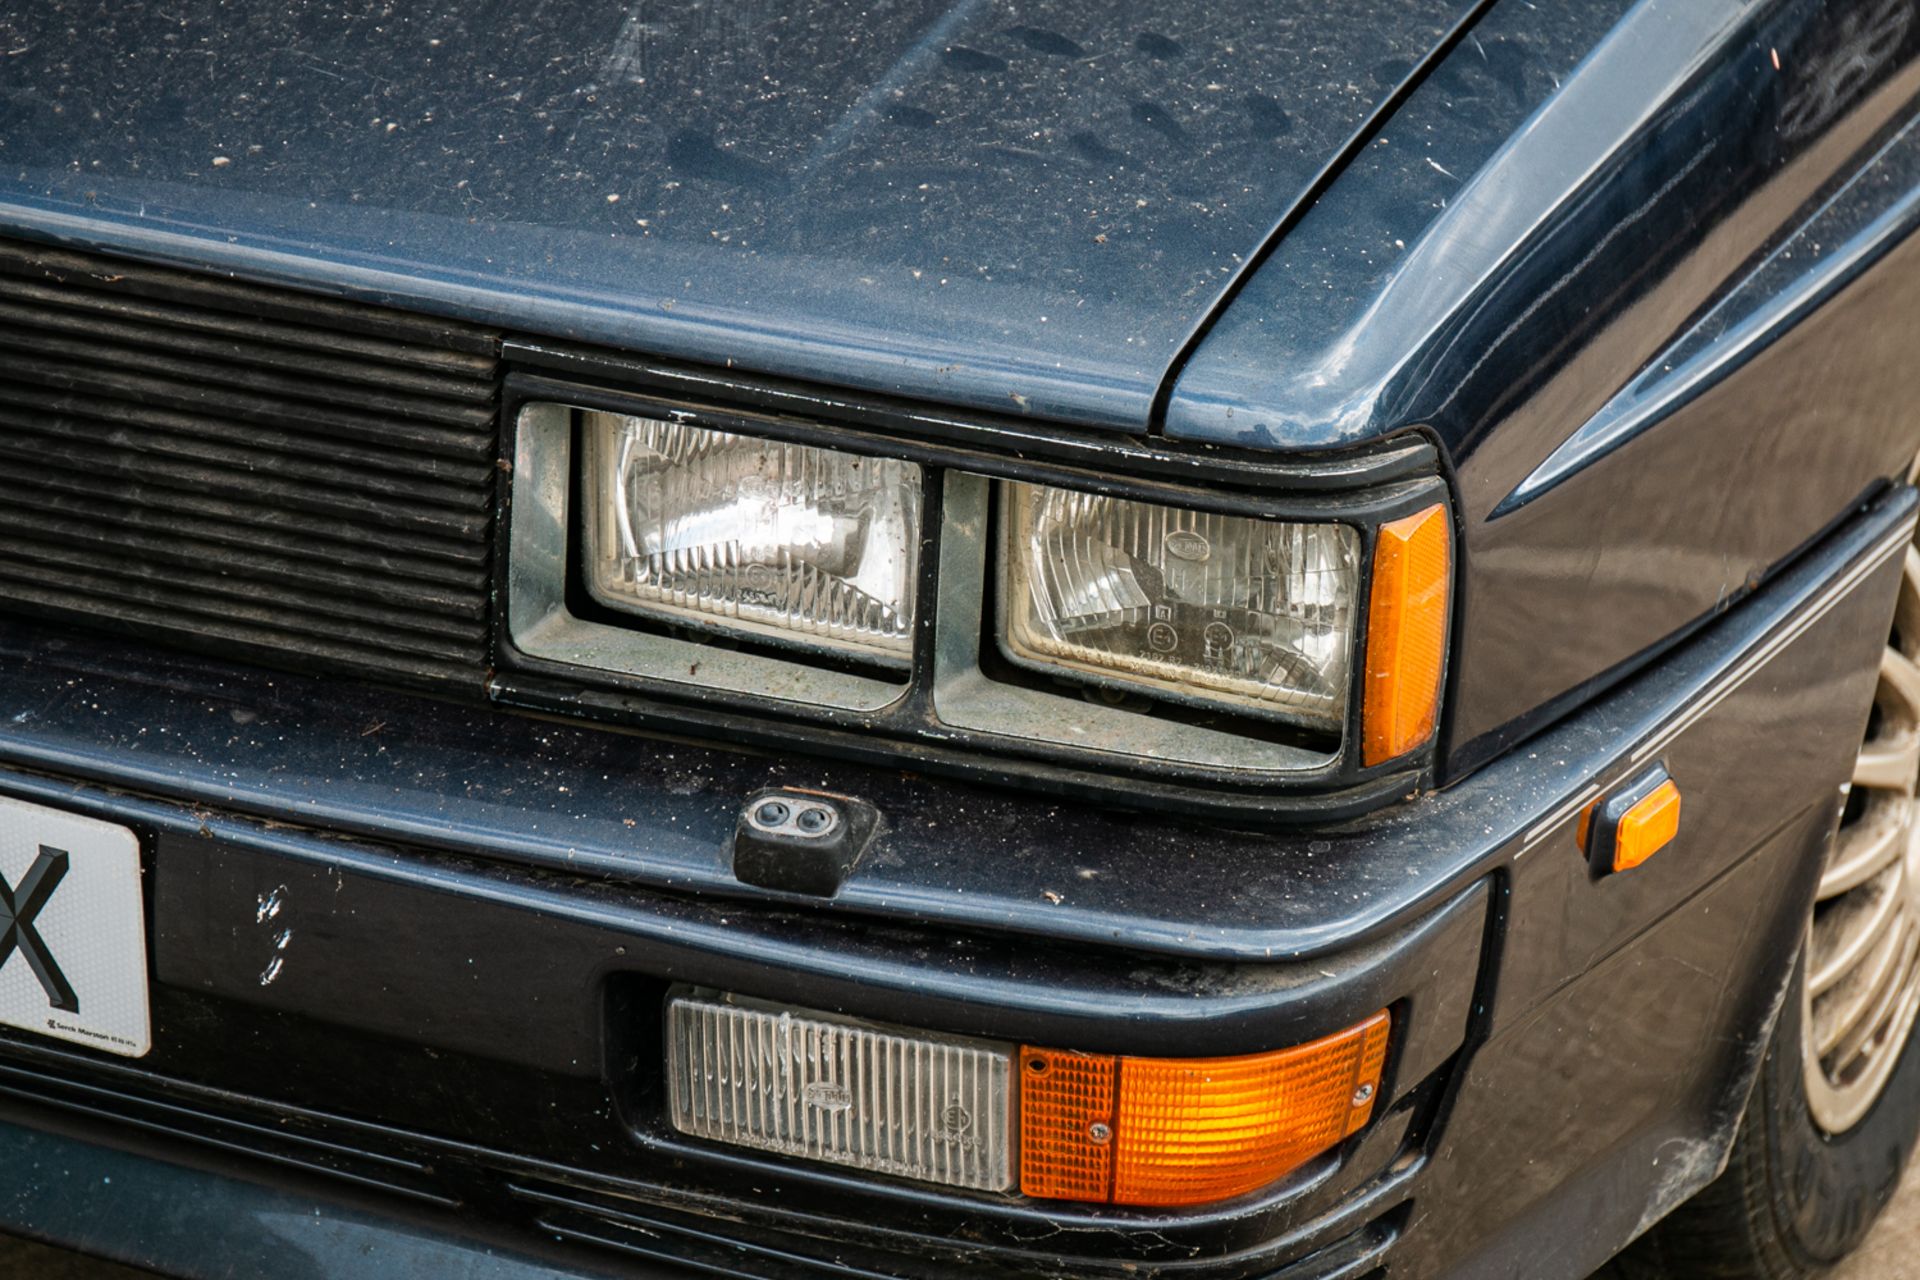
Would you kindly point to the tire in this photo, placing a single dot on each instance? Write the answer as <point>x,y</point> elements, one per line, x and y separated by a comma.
<point>1794,1199</point>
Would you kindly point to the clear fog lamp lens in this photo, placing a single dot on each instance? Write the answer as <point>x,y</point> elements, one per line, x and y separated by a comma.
<point>888,1100</point>
<point>782,541</point>
<point>1197,606</point>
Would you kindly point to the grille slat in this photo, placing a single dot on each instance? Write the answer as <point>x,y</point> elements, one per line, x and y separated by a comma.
<point>38,496</point>
<point>28,563</point>
<point>260,395</point>
<point>19,396</point>
<point>189,509</point>
<point>209,336</point>
<point>236,466</point>
<point>117,552</point>
<point>426,341</point>
<point>265,644</point>
<point>209,401</point>
<point>325,484</point>
<point>103,457</point>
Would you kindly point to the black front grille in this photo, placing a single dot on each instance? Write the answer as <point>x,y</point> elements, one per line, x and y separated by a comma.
<point>272,474</point>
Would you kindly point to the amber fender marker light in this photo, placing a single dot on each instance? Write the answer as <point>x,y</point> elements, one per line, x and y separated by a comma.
<point>1406,634</point>
<point>1621,831</point>
<point>1181,1131</point>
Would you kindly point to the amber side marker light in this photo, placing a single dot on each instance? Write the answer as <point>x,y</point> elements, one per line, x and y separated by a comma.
<point>1165,1132</point>
<point>1406,634</point>
<point>1623,830</point>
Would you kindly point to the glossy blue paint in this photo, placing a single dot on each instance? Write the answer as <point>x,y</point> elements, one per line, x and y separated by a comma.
<point>1875,210</point>
<point>1316,348</point>
<point>1024,208</point>
<point>1647,313</point>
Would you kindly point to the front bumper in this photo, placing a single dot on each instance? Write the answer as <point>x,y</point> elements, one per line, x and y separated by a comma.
<point>462,1039</point>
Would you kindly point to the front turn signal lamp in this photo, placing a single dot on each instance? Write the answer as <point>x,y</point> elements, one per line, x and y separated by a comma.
<point>1406,634</point>
<point>1181,1131</point>
<point>942,1109</point>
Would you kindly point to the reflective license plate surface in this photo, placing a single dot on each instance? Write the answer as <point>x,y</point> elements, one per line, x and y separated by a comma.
<point>73,946</point>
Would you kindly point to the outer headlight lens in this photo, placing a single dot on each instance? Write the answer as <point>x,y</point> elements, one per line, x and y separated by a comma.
<point>1195,606</point>
<point>800,545</point>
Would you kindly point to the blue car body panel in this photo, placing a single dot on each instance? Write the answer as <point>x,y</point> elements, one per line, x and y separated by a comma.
<point>1020,208</point>
<point>1640,261</point>
<point>1627,282</point>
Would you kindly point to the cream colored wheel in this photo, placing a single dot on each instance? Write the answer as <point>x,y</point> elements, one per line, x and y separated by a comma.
<point>1863,946</point>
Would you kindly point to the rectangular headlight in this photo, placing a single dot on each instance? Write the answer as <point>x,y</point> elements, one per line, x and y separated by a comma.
<point>784,542</point>
<point>1195,606</point>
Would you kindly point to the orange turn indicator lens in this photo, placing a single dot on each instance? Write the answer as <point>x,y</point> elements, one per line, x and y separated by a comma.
<point>1181,1131</point>
<point>1406,634</point>
<point>1620,831</point>
<point>1648,827</point>
<point>1066,1124</point>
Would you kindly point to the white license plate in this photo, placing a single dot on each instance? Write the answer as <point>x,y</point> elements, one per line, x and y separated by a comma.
<point>73,937</point>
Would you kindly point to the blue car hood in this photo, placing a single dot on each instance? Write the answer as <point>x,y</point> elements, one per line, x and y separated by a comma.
<point>1021,207</point>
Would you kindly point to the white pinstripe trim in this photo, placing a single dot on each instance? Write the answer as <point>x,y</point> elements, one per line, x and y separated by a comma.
<point>1689,715</point>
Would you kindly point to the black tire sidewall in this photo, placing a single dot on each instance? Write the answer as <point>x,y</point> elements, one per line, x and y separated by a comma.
<point>1825,1190</point>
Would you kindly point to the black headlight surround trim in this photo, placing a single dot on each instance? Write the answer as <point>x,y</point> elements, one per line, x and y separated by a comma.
<point>907,733</point>
<point>1397,491</point>
<point>910,423</point>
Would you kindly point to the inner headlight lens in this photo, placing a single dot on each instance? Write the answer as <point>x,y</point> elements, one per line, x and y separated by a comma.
<point>1195,606</point>
<point>805,546</point>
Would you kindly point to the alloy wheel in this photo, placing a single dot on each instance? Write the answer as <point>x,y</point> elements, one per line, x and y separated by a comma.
<point>1862,987</point>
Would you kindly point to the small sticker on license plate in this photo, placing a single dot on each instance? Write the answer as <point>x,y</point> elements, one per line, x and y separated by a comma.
<point>73,939</point>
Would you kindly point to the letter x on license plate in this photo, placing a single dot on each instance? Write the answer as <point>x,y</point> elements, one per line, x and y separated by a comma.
<point>73,938</point>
